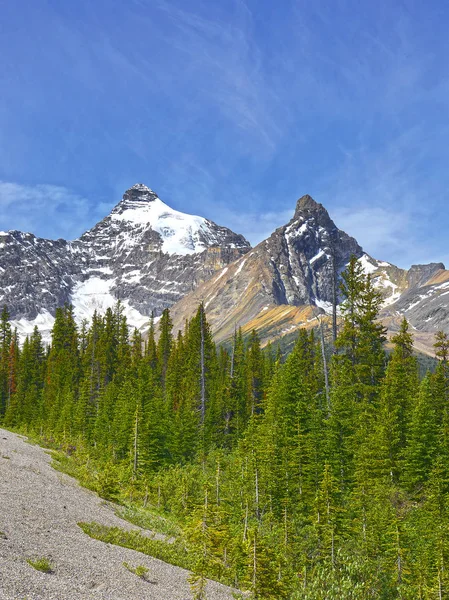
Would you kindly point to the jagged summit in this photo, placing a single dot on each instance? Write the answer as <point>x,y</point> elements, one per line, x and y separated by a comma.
<point>306,204</point>
<point>137,195</point>
<point>171,231</point>
<point>141,187</point>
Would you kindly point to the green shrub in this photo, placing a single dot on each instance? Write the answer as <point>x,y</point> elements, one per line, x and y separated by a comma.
<point>41,564</point>
<point>149,518</point>
<point>172,553</point>
<point>140,570</point>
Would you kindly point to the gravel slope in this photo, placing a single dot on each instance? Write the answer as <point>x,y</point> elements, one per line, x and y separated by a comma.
<point>39,511</point>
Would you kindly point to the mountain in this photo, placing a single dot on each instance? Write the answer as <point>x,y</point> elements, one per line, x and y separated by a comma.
<point>424,301</point>
<point>152,257</point>
<point>287,281</point>
<point>144,253</point>
<point>293,267</point>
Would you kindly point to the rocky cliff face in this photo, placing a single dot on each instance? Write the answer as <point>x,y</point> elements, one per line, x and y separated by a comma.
<point>424,302</point>
<point>144,253</point>
<point>287,280</point>
<point>294,266</point>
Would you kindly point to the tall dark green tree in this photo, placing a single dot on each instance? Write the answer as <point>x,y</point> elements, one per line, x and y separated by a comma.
<point>62,372</point>
<point>164,344</point>
<point>5,344</point>
<point>396,400</point>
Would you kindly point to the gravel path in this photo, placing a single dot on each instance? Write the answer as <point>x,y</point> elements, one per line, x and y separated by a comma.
<point>39,511</point>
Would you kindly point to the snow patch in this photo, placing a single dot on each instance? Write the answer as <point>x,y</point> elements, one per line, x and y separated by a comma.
<point>105,270</point>
<point>421,297</point>
<point>179,231</point>
<point>132,276</point>
<point>391,299</point>
<point>94,294</point>
<point>242,264</point>
<point>221,274</point>
<point>367,265</point>
<point>325,305</point>
<point>44,322</point>
<point>317,256</point>
<point>293,231</point>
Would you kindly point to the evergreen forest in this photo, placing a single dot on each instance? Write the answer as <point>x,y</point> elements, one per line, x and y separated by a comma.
<point>323,474</point>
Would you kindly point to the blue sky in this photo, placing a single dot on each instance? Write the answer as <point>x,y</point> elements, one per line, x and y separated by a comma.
<point>230,109</point>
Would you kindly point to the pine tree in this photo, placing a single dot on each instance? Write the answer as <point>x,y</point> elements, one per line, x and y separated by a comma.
<point>396,399</point>
<point>361,337</point>
<point>422,438</point>
<point>327,518</point>
<point>294,411</point>
<point>5,345</point>
<point>150,346</point>
<point>93,377</point>
<point>440,379</point>
<point>164,344</point>
<point>63,368</point>
<point>199,381</point>
<point>254,375</point>
<point>356,369</point>
<point>237,372</point>
<point>351,288</point>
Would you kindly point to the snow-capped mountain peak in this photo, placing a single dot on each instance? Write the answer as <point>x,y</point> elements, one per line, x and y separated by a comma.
<point>180,233</point>
<point>144,253</point>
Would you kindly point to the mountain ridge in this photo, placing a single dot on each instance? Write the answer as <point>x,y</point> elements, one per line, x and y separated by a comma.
<point>152,257</point>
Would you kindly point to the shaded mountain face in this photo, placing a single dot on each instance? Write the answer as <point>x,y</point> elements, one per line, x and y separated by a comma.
<point>294,266</point>
<point>144,253</point>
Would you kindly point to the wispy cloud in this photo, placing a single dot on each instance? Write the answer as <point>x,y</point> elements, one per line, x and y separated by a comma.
<point>224,59</point>
<point>255,226</point>
<point>45,210</point>
<point>382,232</point>
<point>388,199</point>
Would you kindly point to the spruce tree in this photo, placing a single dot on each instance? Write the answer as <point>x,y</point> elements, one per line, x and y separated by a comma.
<point>63,368</point>
<point>397,395</point>
<point>164,344</point>
<point>422,438</point>
<point>5,345</point>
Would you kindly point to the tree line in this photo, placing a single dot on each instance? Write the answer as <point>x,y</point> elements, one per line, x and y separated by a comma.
<point>324,474</point>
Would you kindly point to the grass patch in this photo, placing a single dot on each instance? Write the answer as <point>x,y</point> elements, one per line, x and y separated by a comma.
<point>173,553</point>
<point>149,519</point>
<point>104,483</point>
<point>140,570</point>
<point>63,463</point>
<point>41,564</point>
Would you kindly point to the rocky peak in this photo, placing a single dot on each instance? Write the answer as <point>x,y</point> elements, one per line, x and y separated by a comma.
<point>306,204</point>
<point>315,215</point>
<point>419,274</point>
<point>138,195</point>
<point>140,187</point>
